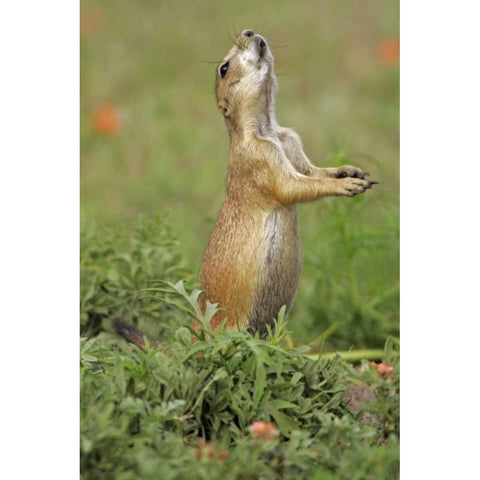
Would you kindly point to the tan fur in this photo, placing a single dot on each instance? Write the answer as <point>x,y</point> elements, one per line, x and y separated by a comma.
<point>253,261</point>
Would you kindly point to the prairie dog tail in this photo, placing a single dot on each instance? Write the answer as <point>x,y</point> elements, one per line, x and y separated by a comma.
<point>131,333</point>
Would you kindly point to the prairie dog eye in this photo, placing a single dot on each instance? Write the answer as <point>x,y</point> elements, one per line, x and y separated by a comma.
<point>224,70</point>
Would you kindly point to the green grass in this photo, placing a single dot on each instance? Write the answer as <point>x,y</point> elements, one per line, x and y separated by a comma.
<point>149,198</point>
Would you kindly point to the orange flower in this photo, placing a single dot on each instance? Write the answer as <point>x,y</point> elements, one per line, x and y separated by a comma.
<point>105,119</point>
<point>264,431</point>
<point>222,454</point>
<point>388,51</point>
<point>91,17</point>
<point>384,369</point>
<point>207,450</point>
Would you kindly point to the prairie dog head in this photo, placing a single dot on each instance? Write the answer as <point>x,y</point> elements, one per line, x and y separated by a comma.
<point>245,78</point>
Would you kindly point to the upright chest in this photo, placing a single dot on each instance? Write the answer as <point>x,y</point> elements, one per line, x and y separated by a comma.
<point>280,237</point>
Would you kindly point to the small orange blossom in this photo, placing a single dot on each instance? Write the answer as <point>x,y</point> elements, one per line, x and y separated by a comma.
<point>264,431</point>
<point>388,51</point>
<point>105,119</point>
<point>207,450</point>
<point>91,17</point>
<point>383,369</point>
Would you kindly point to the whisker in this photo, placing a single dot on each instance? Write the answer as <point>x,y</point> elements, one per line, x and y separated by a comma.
<point>230,34</point>
<point>282,46</point>
<point>255,25</point>
<point>266,31</point>
<point>263,24</point>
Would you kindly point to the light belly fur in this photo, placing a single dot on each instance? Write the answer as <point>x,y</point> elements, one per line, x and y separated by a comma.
<point>280,264</point>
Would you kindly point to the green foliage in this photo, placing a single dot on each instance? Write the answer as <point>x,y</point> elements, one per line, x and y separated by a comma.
<point>386,408</point>
<point>352,264</point>
<point>142,415</point>
<point>116,266</point>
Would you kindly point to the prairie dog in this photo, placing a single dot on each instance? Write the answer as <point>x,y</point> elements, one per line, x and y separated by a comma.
<point>253,260</point>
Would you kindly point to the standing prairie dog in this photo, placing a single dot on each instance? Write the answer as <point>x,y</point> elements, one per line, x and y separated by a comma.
<point>253,261</point>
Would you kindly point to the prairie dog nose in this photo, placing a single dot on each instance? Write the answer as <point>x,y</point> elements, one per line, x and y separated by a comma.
<point>247,33</point>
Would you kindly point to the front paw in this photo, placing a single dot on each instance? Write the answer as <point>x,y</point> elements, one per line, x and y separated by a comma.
<point>349,171</point>
<point>351,186</point>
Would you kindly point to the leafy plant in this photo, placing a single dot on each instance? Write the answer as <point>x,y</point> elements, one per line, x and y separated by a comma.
<point>116,266</point>
<point>143,415</point>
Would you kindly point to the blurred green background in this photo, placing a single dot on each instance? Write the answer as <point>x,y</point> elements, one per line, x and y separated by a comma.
<point>153,142</point>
